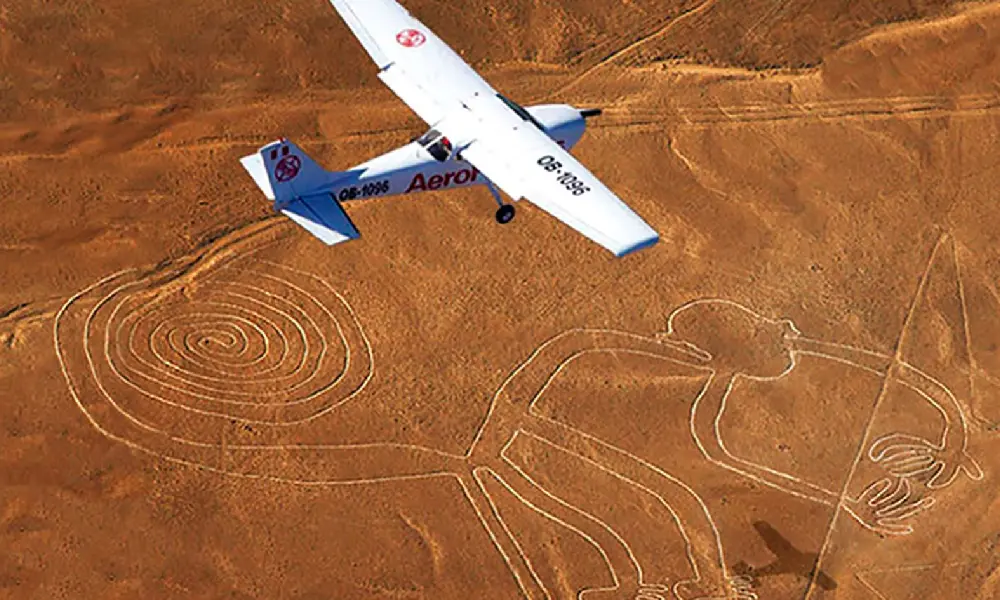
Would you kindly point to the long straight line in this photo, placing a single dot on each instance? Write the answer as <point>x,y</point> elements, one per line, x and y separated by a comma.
<point>897,355</point>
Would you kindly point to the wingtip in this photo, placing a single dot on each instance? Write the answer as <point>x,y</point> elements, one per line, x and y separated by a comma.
<point>641,245</point>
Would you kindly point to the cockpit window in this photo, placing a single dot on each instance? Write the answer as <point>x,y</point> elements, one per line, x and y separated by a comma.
<point>517,108</point>
<point>441,147</point>
<point>436,144</point>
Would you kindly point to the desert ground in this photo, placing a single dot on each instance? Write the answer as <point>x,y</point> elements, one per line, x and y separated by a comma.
<point>794,395</point>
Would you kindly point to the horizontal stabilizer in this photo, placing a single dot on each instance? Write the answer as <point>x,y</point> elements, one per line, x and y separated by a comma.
<point>323,217</point>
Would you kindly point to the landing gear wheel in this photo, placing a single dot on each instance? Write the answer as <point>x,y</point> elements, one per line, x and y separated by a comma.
<point>505,214</point>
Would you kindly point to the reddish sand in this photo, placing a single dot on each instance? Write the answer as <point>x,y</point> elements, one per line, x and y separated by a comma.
<point>793,395</point>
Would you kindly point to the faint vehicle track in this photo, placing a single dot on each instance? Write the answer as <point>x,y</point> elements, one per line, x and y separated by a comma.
<point>659,33</point>
<point>115,132</point>
<point>251,141</point>
<point>901,107</point>
<point>778,7</point>
<point>141,129</point>
<point>829,110</point>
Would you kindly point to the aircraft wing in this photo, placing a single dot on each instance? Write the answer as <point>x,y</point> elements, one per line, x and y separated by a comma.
<point>414,62</point>
<point>526,163</point>
<point>510,151</point>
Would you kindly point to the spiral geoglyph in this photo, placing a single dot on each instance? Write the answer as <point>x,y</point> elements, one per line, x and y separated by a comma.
<point>180,352</point>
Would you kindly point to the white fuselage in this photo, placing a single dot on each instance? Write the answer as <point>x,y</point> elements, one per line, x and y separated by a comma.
<point>412,169</point>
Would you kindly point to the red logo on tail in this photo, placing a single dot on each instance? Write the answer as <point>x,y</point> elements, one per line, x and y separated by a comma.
<point>288,169</point>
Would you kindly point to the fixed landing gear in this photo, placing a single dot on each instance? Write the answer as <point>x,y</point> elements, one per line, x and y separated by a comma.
<point>505,214</point>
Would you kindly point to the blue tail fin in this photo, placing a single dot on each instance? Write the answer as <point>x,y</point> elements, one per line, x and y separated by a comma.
<point>284,172</point>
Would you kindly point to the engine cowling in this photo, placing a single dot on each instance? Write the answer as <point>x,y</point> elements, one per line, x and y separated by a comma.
<point>564,123</point>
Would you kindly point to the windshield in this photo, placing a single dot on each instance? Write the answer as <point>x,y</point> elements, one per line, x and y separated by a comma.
<point>436,144</point>
<point>428,138</point>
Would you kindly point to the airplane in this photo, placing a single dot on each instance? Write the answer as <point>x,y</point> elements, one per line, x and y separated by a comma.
<point>477,137</point>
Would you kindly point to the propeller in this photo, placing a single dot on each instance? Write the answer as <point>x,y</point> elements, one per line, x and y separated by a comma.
<point>590,112</point>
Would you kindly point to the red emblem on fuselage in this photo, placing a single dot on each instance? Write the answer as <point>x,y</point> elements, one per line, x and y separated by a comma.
<point>411,38</point>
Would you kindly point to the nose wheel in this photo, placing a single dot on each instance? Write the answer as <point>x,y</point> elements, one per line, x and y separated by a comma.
<point>505,214</point>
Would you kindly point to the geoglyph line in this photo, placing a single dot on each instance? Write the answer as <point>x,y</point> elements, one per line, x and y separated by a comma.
<point>168,377</point>
<point>448,465</point>
<point>897,358</point>
<point>274,321</point>
<point>900,569</point>
<point>678,521</point>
